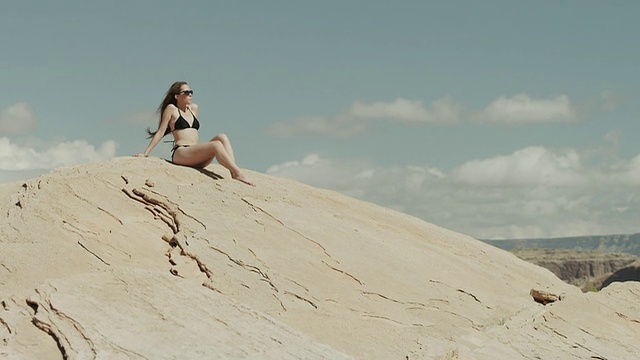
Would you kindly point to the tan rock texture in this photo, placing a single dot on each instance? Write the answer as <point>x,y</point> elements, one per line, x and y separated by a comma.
<point>136,258</point>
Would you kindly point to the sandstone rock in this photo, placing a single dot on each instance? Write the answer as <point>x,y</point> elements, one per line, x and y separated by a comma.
<point>543,297</point>
<point>94,264</point>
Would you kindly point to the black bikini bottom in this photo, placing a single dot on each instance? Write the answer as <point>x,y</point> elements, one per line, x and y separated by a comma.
<point>173,151</point>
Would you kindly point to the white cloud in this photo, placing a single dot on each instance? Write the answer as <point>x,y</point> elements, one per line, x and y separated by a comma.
<point>354,120</point>
<point>535,192</point>
<point>20,162</point>
<point>519,109</point>
<point>17,118</point>
<point>313,169</point>
<point>522,109</point>
<point>528,166</point>
<point>444,110</point>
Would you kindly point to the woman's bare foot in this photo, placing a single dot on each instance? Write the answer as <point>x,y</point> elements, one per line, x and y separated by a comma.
<point>243,179</point>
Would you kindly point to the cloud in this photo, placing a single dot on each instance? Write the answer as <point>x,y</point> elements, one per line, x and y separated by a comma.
<point>317,126</point>
<point>141,117</point>
<point>528,166</point>
<point>628,173</point>
<point>325,173</point>
<point>355,120</point>
<point>17,118</point>
<point>609,100</point>
<point>613,137</point>
<point>444,111</point>
<point>20,162</point>
<point>522,109</point>
<point>535,191</point>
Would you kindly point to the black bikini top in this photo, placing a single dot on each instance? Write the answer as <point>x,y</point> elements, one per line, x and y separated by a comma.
<point>181,123</point>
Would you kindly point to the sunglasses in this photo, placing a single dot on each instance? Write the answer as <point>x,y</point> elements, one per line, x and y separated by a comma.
<point>186,92</point>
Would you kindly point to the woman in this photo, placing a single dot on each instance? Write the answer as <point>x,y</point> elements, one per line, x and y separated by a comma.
<point>179,116</point>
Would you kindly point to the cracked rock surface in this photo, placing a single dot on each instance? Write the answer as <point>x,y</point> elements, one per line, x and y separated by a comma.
<point>140,259</point>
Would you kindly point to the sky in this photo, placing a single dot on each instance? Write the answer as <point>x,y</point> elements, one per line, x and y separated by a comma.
<point>498,119</point>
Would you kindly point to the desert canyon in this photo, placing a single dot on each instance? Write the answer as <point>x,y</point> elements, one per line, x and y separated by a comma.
<point>136,258</point>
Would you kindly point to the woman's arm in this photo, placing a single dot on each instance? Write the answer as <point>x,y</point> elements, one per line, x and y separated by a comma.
<point>164,122</point>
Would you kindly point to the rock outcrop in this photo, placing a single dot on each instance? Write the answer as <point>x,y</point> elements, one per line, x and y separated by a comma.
<point>140,259</point>
<point>630,272</point>
<point>585,269</point>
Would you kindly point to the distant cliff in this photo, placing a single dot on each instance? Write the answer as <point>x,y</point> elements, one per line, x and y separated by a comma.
<point>628,273</point>
<point>629,243</point>
<point>585,269</point>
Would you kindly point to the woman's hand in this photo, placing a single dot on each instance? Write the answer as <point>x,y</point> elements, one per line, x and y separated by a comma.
<point>140,155</point>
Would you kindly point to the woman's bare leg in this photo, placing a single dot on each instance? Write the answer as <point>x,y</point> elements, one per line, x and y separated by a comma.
<point>201,155</point>
<point>224,139</point>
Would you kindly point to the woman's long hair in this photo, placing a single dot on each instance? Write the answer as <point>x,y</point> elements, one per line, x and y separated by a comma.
<point>169,98</point>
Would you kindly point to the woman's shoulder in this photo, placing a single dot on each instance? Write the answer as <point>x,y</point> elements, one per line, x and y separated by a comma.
<point>194,106</point>
<point>171,109</point>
